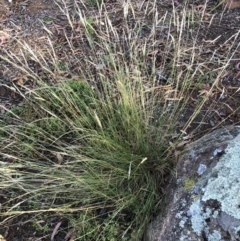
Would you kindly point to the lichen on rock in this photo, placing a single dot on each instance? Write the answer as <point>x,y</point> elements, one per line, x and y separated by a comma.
<point>225,187</point>
<point>209,208</point>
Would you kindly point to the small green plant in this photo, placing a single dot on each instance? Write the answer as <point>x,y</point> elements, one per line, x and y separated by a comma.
<point>62,66</point>
<point>109,230</point>
<point>189,184</point>
<point>40,227</point>
<point>94,3</point>
<point>89,29</point>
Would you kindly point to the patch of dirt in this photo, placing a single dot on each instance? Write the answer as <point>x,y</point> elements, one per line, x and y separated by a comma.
<point>222,37</point>
<point>36,21</point>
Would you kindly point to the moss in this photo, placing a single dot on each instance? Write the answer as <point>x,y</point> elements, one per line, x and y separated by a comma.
<point>189,184</point>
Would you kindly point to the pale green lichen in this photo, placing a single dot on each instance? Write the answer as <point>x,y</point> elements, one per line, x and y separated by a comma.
<point>224,187</point>
<point>215,236</point>
<point>197,219</point>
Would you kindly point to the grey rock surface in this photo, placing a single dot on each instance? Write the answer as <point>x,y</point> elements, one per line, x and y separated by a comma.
<point>204,197</point>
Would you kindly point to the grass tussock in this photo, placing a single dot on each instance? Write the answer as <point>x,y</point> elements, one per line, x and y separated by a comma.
<point>86,151</point>
<point>97,146</point>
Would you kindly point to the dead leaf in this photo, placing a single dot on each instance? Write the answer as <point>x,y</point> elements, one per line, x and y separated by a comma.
<point>232,4</point>
<point>20,81</point>
<point>4,37</point>
<point>55,230</point>
<point>2,238</point>
<point>59,158</point>
<point>70,236</point>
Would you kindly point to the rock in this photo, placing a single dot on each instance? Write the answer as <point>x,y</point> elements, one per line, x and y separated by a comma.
<point>204,197</point>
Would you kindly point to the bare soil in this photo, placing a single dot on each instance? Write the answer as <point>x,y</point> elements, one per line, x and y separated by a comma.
<point>36,21</point>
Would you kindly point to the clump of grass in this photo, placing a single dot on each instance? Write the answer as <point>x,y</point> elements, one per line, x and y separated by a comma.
<point>98,147</point>
<point>88,150</point>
